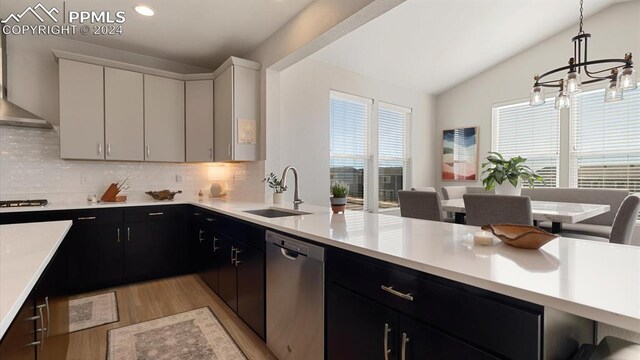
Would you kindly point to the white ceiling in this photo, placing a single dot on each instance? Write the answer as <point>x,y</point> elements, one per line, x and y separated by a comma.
<point>197,32</point>
<point>432,45</point>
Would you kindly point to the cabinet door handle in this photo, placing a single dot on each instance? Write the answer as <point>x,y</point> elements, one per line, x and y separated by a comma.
<point>156,213</point>
<point>42,329</point>
<point>87,218</point>
<point>46,303</point>
<point>128,234</point>
<point>229,150</point>
<point>118,239</point>
<point>108,149</point>
<point>387,351</point>
<point>233,249</point>
<point>215,241</point>
<point>238,251</point>
<point>210,153</point>
<point>397,293</point>
<point>34,343</point>
<point>200,232</point>
<point>148,152</point>
<point>403,352</point>
<point>99,148</point>
<point>196,214</point>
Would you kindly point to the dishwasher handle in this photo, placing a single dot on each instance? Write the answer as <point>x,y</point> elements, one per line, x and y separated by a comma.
<point>292,249</point>
<point>289,254</point>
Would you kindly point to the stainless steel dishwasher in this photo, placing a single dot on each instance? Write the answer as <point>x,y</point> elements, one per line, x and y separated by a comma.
<point>295,298</point>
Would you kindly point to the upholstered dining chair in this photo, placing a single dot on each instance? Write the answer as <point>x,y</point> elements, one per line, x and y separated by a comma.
<point>623,223</point>
<point>483,209</point>
<point>420,204</point>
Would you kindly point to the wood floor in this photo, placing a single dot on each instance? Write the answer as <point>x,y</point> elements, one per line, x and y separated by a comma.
<point>150,300</point>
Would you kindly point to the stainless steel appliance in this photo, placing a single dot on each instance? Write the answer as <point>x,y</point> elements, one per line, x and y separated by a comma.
<point>295,298</point>
<point>23,203</point>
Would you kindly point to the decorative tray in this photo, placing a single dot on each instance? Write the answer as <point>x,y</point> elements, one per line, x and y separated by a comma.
<point>521,236</point>
<point>163,194</point>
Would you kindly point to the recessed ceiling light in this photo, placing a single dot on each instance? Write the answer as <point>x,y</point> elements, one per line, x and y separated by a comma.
<point>144,10</point>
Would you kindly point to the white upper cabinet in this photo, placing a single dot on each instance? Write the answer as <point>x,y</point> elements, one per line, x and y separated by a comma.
<point>164,119</point>
<point>81,110</point>
<point>124,115</point>
<point>199,120</point>
<point>237,111</point>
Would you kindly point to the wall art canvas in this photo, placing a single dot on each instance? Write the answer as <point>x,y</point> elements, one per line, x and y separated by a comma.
<point>460,154</point>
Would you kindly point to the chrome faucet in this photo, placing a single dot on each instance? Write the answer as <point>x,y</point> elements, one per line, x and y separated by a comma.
<point>283,184</point>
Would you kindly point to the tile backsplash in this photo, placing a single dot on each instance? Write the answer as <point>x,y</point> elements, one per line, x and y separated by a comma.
<point>30,168</point>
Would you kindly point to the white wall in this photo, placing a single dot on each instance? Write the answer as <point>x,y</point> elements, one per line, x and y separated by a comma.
<point>615,31</point>
<point>304,122</point>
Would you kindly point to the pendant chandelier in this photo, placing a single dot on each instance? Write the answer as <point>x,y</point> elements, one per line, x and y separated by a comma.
<point>619,75</point>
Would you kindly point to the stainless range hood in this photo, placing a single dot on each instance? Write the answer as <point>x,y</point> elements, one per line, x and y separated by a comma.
<point>10,113</point>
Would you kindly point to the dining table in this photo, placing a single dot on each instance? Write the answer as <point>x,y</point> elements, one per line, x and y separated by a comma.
<point>550,211</point>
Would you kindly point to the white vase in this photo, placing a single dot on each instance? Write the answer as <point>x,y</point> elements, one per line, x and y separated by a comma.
<point>507,189</point>
<point>278,198</point>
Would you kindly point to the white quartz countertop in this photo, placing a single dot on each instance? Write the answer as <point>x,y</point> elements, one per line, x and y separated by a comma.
<point>25,252</point>
<point>596,280</point>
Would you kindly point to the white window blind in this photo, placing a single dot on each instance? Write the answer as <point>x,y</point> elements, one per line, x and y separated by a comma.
<point>349,123</point>
<point>605,141</point>
<point>393,153</point>
<point>532,132</point>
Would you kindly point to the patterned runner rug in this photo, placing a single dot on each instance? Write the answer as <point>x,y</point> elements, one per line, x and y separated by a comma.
<point>192,335</point>
<point>92,311</point>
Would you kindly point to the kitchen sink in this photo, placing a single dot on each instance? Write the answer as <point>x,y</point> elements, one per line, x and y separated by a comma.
<point>275,213</point>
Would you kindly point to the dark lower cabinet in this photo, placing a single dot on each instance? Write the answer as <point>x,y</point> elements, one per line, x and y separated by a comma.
<point>359,328</point>
<point>227,272</point>
<point>95,246</point>
<point>19,341</point>
<point>250,263</point>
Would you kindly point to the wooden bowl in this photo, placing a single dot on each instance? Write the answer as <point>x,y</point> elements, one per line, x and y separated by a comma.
<point>163,194</point>
<point>520,236</point>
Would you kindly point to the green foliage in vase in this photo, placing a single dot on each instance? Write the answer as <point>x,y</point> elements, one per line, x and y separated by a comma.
<point>339,190</point>
<point>497,170</point>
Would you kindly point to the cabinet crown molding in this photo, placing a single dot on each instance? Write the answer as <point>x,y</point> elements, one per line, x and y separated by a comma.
<point>116,64</point>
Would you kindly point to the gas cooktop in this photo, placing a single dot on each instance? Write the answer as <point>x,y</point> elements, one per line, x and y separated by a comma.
<point>23,203</point>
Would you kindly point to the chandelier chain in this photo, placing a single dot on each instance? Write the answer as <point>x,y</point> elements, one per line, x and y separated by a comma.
<point>581,18</point>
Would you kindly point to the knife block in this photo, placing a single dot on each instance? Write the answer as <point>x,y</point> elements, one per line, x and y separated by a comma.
<point>111,195</point>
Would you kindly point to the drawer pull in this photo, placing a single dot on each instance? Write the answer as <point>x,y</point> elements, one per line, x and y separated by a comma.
<point>35,343</point>
<point>397,293</point>
<point>387,351</point>
<point>118,239</point>
<point>87,218</point>
<point>210,219</point>
<point>156,214</point>
<point>200,232</point>
<point>403,351</point>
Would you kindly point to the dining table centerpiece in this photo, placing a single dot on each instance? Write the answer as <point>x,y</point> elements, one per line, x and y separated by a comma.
<point>506,176</point>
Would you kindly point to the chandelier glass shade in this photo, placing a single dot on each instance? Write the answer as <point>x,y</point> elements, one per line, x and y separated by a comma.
<point>619,74</point>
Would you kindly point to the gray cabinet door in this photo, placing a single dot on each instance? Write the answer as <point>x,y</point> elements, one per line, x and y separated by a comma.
<point>246,119</point>
<point>81,110</point>
<point>124,115</point>
<point>163,119</point>
<point>199,120</point>
<point>224,115</point>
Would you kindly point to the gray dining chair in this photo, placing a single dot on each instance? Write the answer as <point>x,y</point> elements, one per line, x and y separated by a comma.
<point>424,188</point>
<point>484,209</point>
<point>623,223</point>
<point>420,204</point>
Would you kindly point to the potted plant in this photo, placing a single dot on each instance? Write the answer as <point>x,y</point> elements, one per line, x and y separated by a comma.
<point>507,176</point>
<point>338,198</point>
<point>276,185</point>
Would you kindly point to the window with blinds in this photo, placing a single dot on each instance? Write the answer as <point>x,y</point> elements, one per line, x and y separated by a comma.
<point>605,141</point>
<point>532,132</point>
<point>349,123</point>
<point>393,158</point>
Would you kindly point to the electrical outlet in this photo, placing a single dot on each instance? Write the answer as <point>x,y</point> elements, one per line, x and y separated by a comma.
<point>84,179</point>
<point>179,178</point>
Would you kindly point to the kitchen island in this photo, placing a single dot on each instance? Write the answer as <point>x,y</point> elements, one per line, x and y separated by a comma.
<point>25,252</point>
<point>590,280</point>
